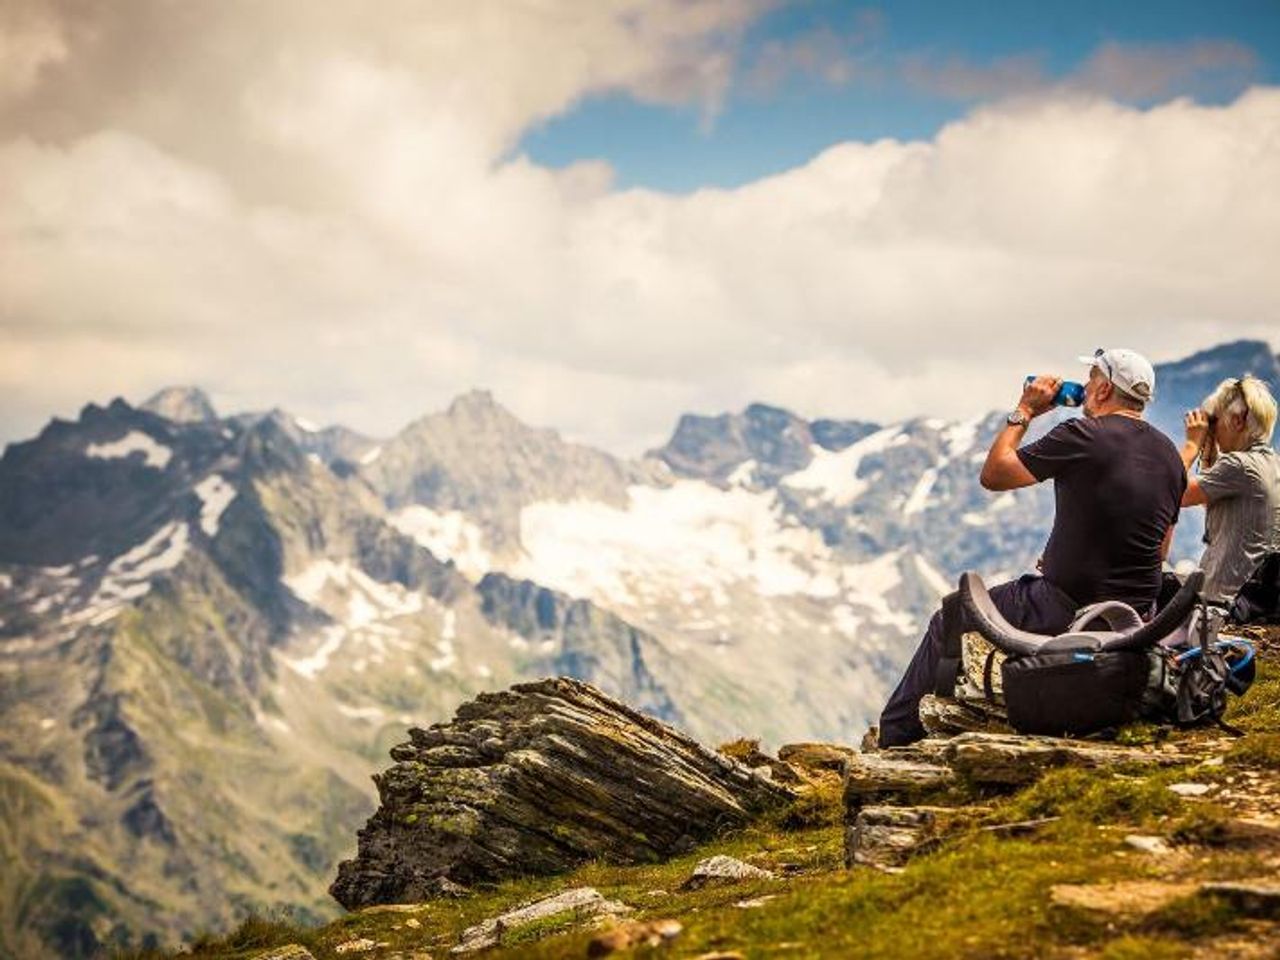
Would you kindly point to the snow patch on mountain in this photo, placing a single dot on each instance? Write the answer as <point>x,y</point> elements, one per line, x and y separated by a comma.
<point>215,495</point>
<point>960,437</point>
<point>370,456</point>
<point>350,595</point>
<point>835,475</point>
<point>450,535</point>
<point>128,576</point>
<point>311,666</point>
<point>135,441</point>
<point>362,607</point>
<point>930,575</point>
<point>666,539</point>
<point>304,424</point>
<point>919,496</point>
<point>370,714</point>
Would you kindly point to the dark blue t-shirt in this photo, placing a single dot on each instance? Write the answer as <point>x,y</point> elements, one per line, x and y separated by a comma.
<point>1117,483</point>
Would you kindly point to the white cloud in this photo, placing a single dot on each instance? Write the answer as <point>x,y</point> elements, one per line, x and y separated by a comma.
<point>321,210</point>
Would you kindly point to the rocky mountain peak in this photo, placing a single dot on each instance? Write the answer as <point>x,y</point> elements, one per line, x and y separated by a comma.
<point>182,405</point>
<point>779,442</point>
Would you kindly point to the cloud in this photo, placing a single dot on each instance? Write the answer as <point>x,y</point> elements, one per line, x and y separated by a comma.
<point>1130,72</point>
<point>30,41</point>
<point>359,243</point>
<point>832,57</point>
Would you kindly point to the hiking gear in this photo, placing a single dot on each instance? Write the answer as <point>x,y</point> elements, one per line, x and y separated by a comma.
<point>1129,370</point>
<point>1259,599</point>
<point>1030,601</point>
<point>1070,394</point>
<point>1086,679</point>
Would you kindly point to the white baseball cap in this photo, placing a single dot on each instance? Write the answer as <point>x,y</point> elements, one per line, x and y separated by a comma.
<point>1129,370</point>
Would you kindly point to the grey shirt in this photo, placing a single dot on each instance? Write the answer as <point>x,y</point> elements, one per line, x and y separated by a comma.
<point>1242,518</point>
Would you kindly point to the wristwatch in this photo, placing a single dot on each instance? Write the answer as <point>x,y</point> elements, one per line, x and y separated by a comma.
<point>1017,419</point>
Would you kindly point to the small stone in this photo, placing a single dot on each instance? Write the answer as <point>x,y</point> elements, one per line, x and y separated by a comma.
<point>292,951</point>
<point>757,902</point>
<point>581,901</point>
<point>413,923</point>
<point>720,955</point>
<point>1152,845</point>
<point>815,756</point>
<point>653,933</point>
<point>722,869</point>
<point>1190,789</point>
<point>888,836</point>
<point>363,945</point>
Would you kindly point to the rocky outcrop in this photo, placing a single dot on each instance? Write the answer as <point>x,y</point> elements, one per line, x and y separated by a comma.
<point>536,780</point>
<point>776,440</point>
<point>884,821</point>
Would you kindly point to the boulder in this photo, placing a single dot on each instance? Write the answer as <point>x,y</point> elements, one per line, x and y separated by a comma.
<point>536,780</point>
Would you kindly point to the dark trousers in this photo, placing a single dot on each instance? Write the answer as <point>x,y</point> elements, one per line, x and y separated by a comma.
<point>1030,603</point>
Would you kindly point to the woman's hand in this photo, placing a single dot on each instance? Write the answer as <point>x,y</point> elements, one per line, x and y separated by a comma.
<point>1196,423</point>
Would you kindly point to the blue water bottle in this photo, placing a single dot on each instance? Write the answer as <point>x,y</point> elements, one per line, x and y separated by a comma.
<point>1070,394</point>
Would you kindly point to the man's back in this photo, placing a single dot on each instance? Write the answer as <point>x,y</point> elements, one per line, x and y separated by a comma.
<point>1117,485</point>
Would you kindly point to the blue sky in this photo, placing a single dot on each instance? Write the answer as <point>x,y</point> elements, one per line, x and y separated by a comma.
<point>897,86</point>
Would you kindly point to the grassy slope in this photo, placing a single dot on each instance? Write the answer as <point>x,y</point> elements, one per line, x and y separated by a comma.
<point>979,895</point>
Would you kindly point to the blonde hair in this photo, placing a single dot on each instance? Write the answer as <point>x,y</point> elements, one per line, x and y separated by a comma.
<point>1247,395</point>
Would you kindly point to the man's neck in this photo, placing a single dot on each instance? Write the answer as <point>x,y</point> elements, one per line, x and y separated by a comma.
<point>1120,412</point>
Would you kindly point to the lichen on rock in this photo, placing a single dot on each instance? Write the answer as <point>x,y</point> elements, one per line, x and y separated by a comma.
<point>536,780</point>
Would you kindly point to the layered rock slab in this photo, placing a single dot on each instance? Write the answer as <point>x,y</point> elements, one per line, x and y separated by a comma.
<point>536,780</point>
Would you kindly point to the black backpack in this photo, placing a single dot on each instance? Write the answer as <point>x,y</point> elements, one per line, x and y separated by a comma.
<point>1085,681</point>
<point>1259,599</point>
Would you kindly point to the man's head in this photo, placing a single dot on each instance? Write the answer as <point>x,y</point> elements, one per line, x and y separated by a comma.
<point>1119,380</point>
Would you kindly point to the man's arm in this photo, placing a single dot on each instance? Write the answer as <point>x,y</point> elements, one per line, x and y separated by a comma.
<point>1003,470</point>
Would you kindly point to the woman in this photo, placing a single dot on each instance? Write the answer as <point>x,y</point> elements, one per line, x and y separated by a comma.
<point>1239,481</point>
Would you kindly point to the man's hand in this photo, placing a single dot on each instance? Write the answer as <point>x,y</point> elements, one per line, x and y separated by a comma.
<point>1037,396</point>
<point>1002,469</point>
<point>1196,423</point>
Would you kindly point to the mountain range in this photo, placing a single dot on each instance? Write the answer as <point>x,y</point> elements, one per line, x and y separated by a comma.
<point>213,628</point>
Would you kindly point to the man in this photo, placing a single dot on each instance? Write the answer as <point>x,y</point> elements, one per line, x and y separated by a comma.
<point>1118,482</point>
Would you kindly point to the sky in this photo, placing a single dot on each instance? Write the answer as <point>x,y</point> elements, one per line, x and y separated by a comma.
<point>613,212</point>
